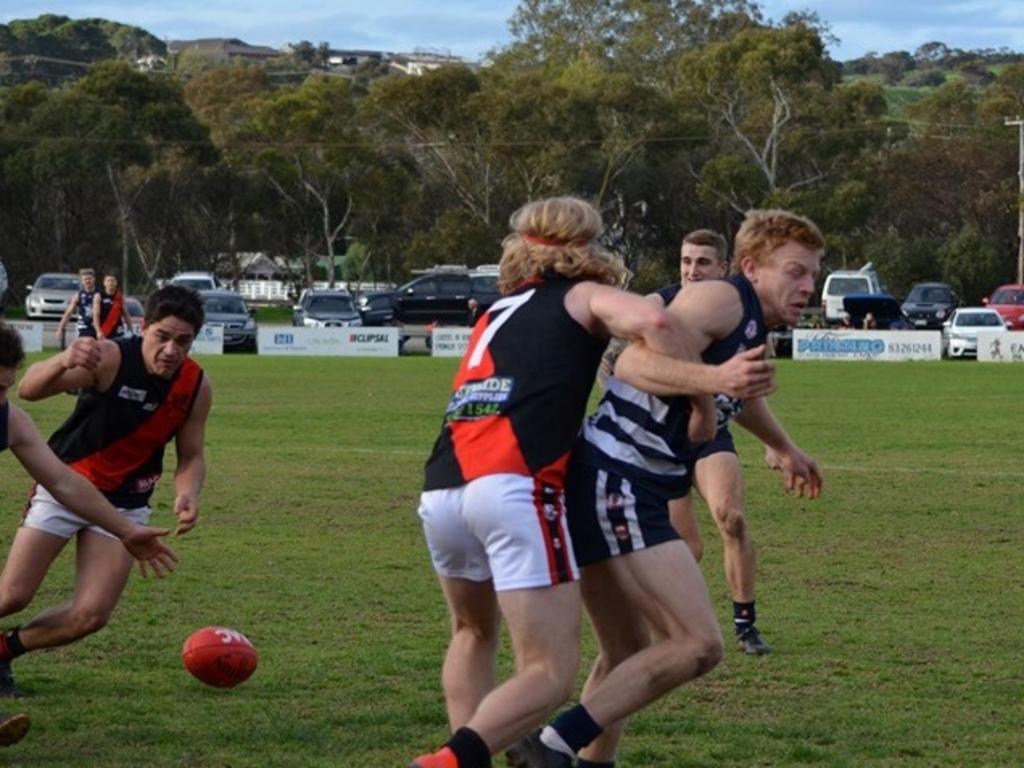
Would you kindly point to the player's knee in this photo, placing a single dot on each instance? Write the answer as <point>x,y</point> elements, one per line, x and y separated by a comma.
<point>13,599</point>
<point>87,620</point>
<point>732,522</point>
<point>708,650</point>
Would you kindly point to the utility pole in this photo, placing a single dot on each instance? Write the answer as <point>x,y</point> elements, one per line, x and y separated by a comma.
<point>1020,195</point>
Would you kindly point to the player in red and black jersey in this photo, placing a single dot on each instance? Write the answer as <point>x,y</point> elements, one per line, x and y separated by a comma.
<point>110,316</point>
<point>136,395</point>
<point>18,433</point>
<point>493,501</point>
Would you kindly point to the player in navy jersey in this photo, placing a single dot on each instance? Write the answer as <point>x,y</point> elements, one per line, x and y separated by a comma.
<point>80,306</point>
<point>637,575</point>
<point>717,474</point>
<point>135,396</point>
<point>493,501</point>
<point>18,433</point>
<point>110,316</point>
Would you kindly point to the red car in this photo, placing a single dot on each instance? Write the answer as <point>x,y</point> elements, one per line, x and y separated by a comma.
<point>1008,301</point>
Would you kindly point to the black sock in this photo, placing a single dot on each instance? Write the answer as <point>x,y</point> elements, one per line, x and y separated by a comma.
<point>576,727</point>
<point>470,750</point>
<point>11,642</point>
<point>743,615</point>
<point>581,763</point>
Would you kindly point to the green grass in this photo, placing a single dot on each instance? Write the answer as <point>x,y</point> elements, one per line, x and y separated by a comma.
<point>894,602</point>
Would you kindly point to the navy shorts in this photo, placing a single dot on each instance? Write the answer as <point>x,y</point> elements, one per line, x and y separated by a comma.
<point>610,515</point>
<point>721,443</point>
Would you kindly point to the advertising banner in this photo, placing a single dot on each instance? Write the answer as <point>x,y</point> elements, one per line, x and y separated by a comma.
<point>209,341</point>
<point>450,342</point>
<point>825,344</point>
<point>31,334</point>
<point>1001,346</point>
<point>327,342</point>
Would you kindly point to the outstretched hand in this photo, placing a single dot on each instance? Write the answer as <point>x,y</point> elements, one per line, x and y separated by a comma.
<point>800,475</point>
<point>747,374</point>
<point>143,543</point>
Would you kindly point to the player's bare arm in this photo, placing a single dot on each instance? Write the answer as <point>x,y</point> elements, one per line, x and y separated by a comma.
<point>69,310</point>
<point>705,312</point>
<point>78,494</point>
<point>85,363</point>
<point>97,310</point>
<point>800,473</point>
<point>191,471</point>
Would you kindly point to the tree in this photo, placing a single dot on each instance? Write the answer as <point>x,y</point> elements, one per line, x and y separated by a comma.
<point>310,150</point>
<point>148,132</point>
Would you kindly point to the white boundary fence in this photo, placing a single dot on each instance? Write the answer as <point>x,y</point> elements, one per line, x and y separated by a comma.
<point>1001,347</point>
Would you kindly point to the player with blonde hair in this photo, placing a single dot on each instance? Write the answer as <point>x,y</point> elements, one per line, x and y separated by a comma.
<point>492,506</point>
<point>634,458</point>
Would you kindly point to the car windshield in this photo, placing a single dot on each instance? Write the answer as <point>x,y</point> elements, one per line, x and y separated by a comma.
<point>225,305</point>
<point>486,283</point>
<point>195,283</point>
<point>1008,296</point>
<point>930,294</point>
<point>841,286</point>
<point>57,283</point>
<point>330,304</point>
<point>979,319</point>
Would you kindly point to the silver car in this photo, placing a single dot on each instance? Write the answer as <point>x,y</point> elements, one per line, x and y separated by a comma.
<point>228,309</point>
<point>48,296</point>
<point>960,332</point>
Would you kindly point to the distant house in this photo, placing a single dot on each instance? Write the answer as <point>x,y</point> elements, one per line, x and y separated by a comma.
<point>352,58</point>
<point>223,49</point>
<point>419,63</point>
<point>259,266</point>
<point>151,63</point>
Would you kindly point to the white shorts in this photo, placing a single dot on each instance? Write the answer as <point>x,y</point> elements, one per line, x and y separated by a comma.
<point>47,514</point>
<point>509,528</point>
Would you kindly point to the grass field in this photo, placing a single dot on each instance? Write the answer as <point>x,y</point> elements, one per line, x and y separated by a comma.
<point>894,602</point>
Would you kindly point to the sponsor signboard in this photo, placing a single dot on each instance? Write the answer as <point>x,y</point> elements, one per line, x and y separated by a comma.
<point>450,342</point>
<point>1001,346</point>
<point>31,334</point>
<point>209,341</point>
<point>335,342</point>
<point>825,344</point>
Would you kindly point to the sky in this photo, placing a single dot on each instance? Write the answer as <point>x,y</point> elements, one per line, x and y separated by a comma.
<point>469,28</point>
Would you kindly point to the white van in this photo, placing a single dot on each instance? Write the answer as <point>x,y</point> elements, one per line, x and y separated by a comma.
<point>842,283</point>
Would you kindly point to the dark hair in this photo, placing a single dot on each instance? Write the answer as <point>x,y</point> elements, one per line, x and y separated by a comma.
<point>12,351</point>
<point>177,301</point>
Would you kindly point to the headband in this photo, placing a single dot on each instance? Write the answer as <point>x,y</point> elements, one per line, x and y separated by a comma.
<point>556,243</point>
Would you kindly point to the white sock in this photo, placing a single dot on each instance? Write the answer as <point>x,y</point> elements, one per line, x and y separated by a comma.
<point>549,736</point>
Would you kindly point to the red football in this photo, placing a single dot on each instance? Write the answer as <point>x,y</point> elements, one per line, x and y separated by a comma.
<point>219,656</point>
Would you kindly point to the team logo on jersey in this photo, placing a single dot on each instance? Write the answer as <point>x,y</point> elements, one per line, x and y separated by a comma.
<point>621,531</point>
<point>751,330</point>
<point>135,395</point>
<point>479,399</point>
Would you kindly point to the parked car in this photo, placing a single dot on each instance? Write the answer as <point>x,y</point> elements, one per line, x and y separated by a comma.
<point>443,296</point>
<point>228,309</point>
<point>883,307</point>
<point>377,307</point>
<point>135,312</point>
<point>843,282</point>
<point>1008,301</point>
<point>325,309</point>
<point>48,296</point>
<point>960,332</point>
<point>3,287</point>
<point>197,281</point>
<point>928,305</point>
